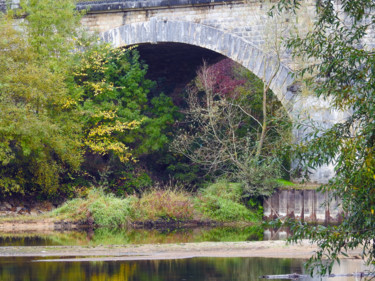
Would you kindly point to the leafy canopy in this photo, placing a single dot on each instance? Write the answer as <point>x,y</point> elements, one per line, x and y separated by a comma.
<point>121,122</point>
<point>39,135</point>
<point>341,70</point>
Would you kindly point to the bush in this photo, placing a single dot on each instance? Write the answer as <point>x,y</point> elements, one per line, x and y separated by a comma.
<point>222,201</point>
<point>224,190</point>
<point>105,210</point>
<point>164,204</point>
<point>259,178</point>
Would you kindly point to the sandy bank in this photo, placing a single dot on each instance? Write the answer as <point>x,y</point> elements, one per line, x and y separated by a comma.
<point>271,249</point>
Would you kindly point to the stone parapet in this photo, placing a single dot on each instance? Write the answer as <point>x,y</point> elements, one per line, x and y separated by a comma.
<point>115,5</point>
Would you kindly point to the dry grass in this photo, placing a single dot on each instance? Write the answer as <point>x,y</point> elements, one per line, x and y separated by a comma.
<point>165,204</point>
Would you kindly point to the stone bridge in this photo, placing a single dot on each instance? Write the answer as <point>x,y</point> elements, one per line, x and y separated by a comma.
<point>235,29</point>
<point>232,28</point>
<point>239,30</point>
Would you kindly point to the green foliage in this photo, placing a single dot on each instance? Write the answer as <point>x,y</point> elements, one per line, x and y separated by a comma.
<point>122,124</point>
<point>341,71</point>
<point>116,106</point>
<point>110,211</point>
<point>39,135</point>
<point>52,33</point>
<point>105,210</point>
<point>167,167</point>
<point>132,182</point>
<point>256,206</point>
<point>283,182</point>
<point>259,177</point>
<point>225,190</point>
<point>222,201</point>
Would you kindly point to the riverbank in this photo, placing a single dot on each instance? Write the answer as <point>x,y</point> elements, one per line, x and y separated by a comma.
<point>269,249</point>
<point>216,205</point>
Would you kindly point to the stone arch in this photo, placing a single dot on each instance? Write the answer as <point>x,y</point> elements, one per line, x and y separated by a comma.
<point>241,51</point>
<point>230,45</point>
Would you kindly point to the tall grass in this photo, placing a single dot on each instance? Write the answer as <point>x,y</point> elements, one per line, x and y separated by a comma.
<point>165,204</point>
<point>102,209</point>
<point>219,202</point>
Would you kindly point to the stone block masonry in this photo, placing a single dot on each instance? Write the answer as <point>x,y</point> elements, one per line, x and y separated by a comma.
<point>246,20</point>
<point>304,205</point>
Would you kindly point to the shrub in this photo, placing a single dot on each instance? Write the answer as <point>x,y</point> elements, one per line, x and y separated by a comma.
<point>105,210</point>
<point>259,178</point>
<point>165,204</point>
<point>222,201</point>
<point>225,190</point>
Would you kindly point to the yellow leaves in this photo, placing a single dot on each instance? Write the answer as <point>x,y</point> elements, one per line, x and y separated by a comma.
<point>99,87</point>
<point>101,139</point>
<point>109,129</point>
<point>68,103</point>
<point>372,211</point>
<point>109,115</point>
<point>104,146</point>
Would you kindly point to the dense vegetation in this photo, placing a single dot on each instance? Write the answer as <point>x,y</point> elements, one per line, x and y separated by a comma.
<point>79,116</point>
<point>234,127</point>
<point>39,132</point>
<point>76,113</point>
<point>218,202</point>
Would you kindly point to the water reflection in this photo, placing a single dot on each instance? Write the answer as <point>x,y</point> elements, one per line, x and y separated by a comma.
<point>213,269</point>
<point>104,236</point>
<point>197,269</point>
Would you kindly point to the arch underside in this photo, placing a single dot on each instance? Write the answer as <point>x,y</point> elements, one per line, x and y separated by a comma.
<point>241,51</point>
<point>230,45</point>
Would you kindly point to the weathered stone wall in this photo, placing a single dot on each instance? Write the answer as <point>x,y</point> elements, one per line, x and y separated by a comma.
<point>225,43</point>
<point>245,20</point>
<point>306,205</point>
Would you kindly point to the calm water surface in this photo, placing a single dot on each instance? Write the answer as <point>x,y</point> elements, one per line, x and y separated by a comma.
<point>210,269</point>
<point>197,269</point>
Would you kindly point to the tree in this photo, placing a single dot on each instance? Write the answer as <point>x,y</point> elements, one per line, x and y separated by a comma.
<point>341,70</point>
<point>52,33</point>
<point>121,123</point>
<point>39,135</point>
<point>228,133</point>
